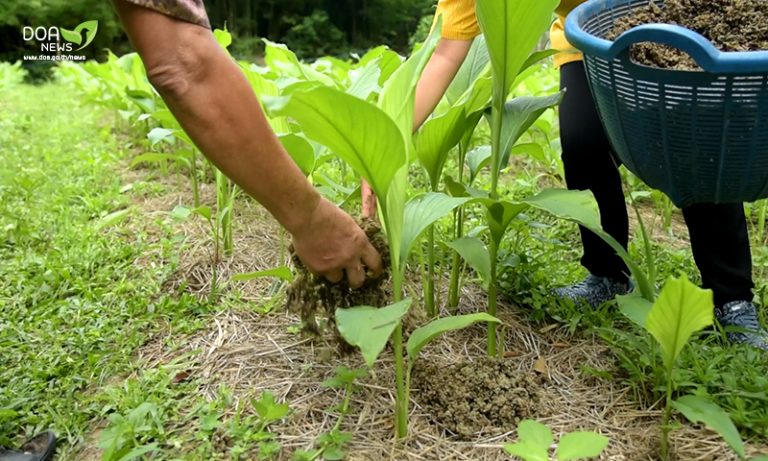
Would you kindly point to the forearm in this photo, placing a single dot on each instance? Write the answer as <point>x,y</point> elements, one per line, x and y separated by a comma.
<point>216,106</point>
<point>224,119</point>
<point>437,76</point>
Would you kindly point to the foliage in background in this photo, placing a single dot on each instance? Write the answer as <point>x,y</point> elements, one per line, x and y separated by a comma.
<point>310,27</point>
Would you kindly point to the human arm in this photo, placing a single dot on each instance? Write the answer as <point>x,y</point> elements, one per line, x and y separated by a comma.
<point>214,103</point>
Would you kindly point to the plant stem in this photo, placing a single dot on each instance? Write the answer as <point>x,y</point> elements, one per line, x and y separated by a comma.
<point>667,415</point>
<point>193,173</point>
<point>456,262</point>
<point>401,396</point>
<point>458,232</point>
<point>498,111</point>
<point>492,295</point>
<point>429,288</point>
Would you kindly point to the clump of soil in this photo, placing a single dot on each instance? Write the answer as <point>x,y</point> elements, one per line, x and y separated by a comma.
<point>485,396</point>
<point>731,25</point>
<point>313,296</point>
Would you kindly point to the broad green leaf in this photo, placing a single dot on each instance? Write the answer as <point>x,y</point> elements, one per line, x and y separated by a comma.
<point>535,432</point>
<point>7,414</point>
<point>389,61</point>
<point>538,56</point>
<point>397,96</point>
<point>146,102</point>
<point>424,335</point>
<point>268,409</point>
<point>300,150</point>
<point>500,215</point>
<point>365,80</point>
<point>285,63</point>
<point>223,37</point>
<point>700,410</point>
<point>528,451</point>
<point>519,115</point>
<point>511,29</point>
<point>393,211</point>
<point>580,445</point>
<point>474,65</point>
<point>581,208</point>
<point>282,272</point>
<point>353,129</point>
<point>422,211</point>
<point>477,159</point>
<point>435,140</point>
<point>681,309</point>
<point>475,253</point>
<point>113,218</point>
<point>158,135</point>
<point>634,307</point>
<point>369,328</point>
<point>530,149</point>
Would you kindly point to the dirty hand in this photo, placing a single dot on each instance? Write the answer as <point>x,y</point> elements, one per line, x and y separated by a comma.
<point>331,244</point>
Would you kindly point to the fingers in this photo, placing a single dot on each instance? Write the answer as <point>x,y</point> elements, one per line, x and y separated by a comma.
<point>334,276</point>
<point>372,259</point>
<point>355,276</point>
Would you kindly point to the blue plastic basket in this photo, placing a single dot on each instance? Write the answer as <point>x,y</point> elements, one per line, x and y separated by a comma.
<point>700,137</point>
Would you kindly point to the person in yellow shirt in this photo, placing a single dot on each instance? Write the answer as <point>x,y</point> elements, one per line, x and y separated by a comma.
<point>718,232</point>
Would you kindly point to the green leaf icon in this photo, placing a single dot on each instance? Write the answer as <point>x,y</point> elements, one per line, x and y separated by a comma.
<point>76,36</point>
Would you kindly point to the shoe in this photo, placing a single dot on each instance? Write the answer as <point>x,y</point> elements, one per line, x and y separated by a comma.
<point>741,317</point>
<point>39,448</point>
<point>593,290</point>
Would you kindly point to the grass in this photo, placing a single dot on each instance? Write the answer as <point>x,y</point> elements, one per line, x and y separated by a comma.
<point>74,306</point>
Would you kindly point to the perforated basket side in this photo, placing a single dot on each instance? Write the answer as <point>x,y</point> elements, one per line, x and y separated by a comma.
<point>696,136</point>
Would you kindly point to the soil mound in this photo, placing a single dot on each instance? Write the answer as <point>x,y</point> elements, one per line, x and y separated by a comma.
<point>488,395</point>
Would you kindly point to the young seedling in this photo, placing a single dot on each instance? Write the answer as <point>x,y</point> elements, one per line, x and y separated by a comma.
<point>535,440</point>
<point>331,444</point>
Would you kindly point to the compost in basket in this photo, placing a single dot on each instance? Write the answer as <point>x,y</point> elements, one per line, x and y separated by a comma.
<point>731,25</point>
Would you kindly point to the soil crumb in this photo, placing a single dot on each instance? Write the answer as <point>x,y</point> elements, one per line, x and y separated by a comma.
<point>488,395</point>
<point>731,25</point>
<point>312,296</point>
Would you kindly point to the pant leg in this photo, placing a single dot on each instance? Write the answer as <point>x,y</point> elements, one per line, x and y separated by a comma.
<point>720,245</point>
<point>590,165</point>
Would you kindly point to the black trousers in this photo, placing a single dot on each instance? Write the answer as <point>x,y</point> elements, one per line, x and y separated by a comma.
<point>719,237</point>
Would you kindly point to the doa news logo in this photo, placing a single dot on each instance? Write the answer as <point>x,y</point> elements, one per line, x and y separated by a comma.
<point>58,43</point>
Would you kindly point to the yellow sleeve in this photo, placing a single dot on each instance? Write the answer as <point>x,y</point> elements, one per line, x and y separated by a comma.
<point>459,20</point>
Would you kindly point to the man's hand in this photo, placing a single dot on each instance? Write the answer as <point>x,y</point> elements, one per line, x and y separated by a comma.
<point>331,244</point>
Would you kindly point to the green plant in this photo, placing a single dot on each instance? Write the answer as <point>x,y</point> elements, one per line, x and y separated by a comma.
<point>122,439</point>
<point>380,153</point>
<point>680,310</point>
<point>369,328</point>
<point>505,23</point>
<point>330,445</point>
<point>535,440</point>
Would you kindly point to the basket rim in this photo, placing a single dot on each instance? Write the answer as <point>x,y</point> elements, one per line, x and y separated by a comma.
<point>706,55</point>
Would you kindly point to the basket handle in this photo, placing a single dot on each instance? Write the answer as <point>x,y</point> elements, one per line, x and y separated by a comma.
<point>699,48</point>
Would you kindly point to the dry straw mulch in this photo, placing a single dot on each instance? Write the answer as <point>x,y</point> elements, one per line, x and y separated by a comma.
<point>251,353</point>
